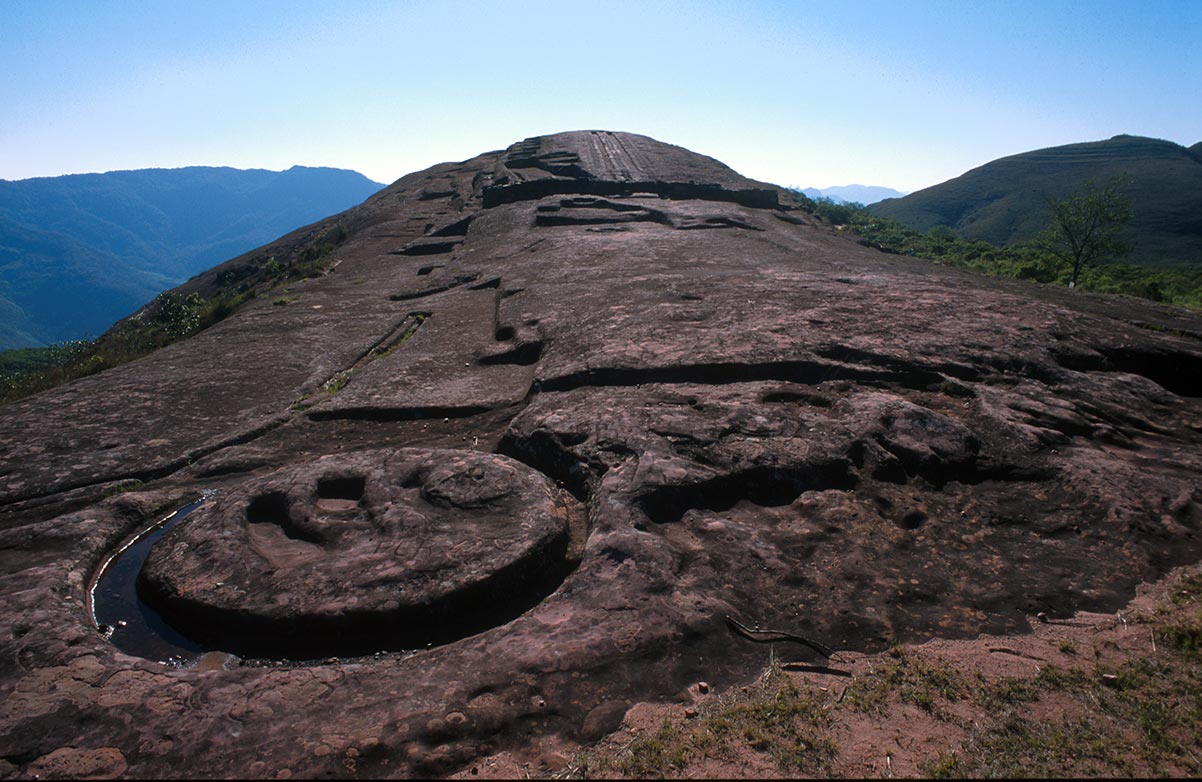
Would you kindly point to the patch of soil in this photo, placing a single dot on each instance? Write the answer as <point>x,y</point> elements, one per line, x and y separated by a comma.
<point>1094,694</point>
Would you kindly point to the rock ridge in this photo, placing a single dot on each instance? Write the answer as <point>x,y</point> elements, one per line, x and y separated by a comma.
<point>552,414</point>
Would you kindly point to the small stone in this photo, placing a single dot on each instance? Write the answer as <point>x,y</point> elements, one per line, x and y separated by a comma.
<point>690,712</point>
<point>602,720</point>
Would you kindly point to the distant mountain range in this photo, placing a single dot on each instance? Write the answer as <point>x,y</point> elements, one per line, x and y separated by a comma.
<point>859,194</point>
<point>79,252</point>
<point>1003,202</point>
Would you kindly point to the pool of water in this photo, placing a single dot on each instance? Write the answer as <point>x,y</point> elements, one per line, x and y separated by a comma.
<point>133,626</point>
<point>121,616</point>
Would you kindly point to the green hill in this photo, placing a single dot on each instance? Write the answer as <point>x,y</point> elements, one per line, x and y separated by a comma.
<point>1003,202</point>
<point>78,252</point>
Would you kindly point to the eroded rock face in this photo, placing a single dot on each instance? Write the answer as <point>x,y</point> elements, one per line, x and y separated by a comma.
<point>557,412</point>
<point>375,550</point>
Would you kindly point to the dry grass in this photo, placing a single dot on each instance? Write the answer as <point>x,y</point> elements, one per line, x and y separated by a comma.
<point>1091,707</point>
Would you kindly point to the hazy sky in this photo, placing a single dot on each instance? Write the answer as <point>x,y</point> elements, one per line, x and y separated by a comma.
<point>902,94</point>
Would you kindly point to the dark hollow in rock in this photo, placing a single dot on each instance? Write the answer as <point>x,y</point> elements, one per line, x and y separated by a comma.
<point>340,494</point>
<point>397,550</point>
<point>720,373</point>
<point>912,520</point>
<point>269,508</point>
<point>457,228</point>
<point>522,353</point>
<point>548,453</point>
<point>274,508</point>
<point>428,247</point>
<point>595,211</point>
<point>796,397</point>
<point>375,413</point>
<point>453,282</point>
<point>765,486</point>
<point>541,188</point>
<point>716,222</point>
<point>1180,373</point>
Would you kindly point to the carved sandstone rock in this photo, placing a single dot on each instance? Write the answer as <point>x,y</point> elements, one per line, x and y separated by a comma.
<point>553,414</point>
<point>389,548</point>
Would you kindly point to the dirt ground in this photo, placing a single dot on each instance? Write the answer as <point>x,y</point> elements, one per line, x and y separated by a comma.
<point>1094,695</point>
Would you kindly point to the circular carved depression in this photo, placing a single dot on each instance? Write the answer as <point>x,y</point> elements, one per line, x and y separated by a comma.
<point>362,552</point>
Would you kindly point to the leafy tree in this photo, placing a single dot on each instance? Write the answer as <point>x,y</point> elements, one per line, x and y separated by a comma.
<point>1085,226</point>
<point>176,314</point>
<point>835,212</point>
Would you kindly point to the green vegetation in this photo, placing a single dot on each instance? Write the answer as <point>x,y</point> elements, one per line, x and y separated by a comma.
<point>1128,711</point>
<point>1023,748</point>
<point>121,487</point>
<point>782,720</point>
<point>1138,716</point>
<point>1085,226</point>
<point>649,756</point>
<point>170,317</point>
<point>1029,261</point>
<point>338,381</point>
<point>81,251</point>
<point>30,360</point>
<point>416,319</point>
<point>1004,202</point>
<point>908,678</point>
<point>1115,720</point>
<point>789,724</point>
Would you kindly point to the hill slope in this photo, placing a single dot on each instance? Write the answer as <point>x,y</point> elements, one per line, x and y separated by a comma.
<point>860,194</point>
<point>1002,202</point>
<point>77,252</point>
<point>548,432</point>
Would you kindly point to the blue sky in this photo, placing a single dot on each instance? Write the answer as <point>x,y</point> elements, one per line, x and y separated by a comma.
<point>901,94</point>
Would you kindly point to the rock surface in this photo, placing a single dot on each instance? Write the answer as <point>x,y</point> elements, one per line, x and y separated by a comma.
<point>597,393</point>
<point>372,549</point>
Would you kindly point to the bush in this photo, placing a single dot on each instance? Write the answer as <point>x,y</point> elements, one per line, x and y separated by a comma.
<point>834,212</point>
<point>1181,287</point>
<point>170,317</point>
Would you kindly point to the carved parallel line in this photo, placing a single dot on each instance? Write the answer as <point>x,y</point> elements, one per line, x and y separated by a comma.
<point>724,373</point>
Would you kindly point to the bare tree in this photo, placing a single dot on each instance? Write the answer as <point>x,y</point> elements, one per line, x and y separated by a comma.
<point>1085,227</point>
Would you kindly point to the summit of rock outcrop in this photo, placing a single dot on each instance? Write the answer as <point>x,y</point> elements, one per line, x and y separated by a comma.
<point>549,419</point>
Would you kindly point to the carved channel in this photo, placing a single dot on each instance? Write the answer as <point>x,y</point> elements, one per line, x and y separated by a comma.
<point>119,614</point>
